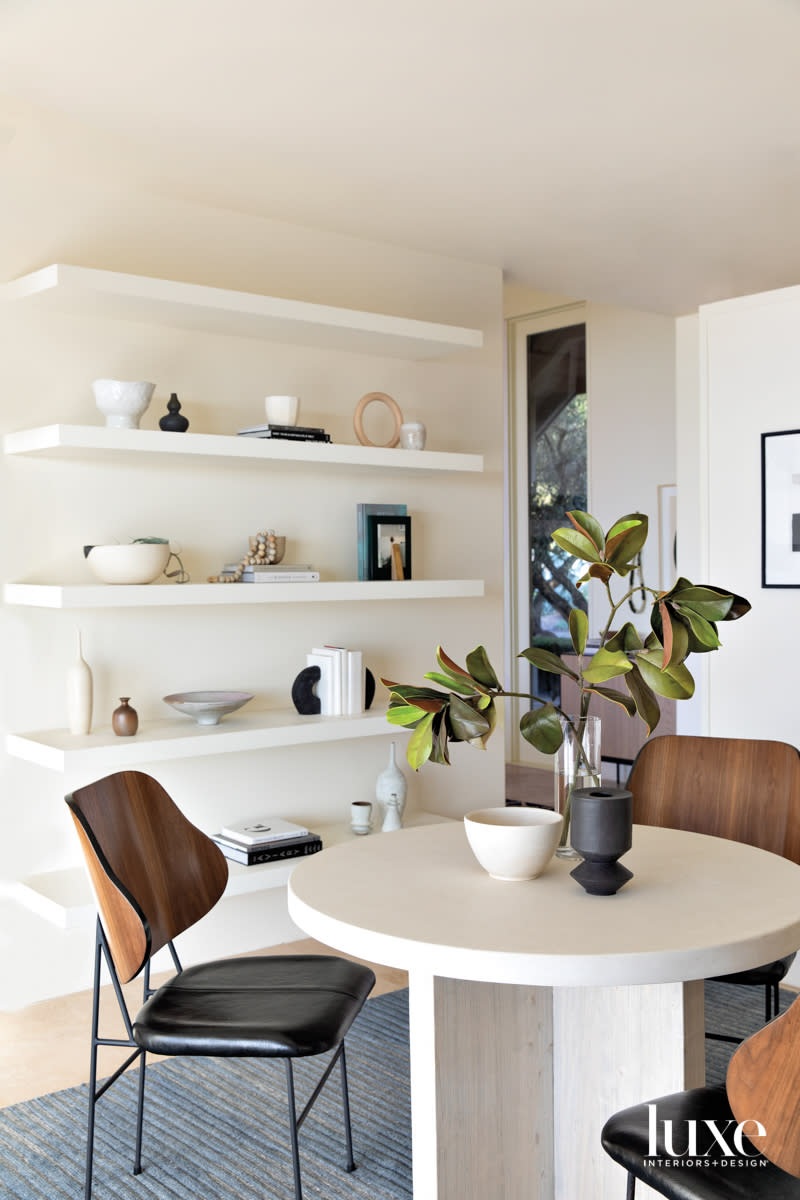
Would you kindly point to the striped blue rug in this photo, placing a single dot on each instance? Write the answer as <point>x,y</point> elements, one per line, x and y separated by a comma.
<point>215,1129</point>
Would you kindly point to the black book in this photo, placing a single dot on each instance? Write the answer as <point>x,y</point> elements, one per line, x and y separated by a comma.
<point>251,855</point>
<point>261,430</point>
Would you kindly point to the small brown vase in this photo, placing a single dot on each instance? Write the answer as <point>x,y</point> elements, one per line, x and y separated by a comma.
<point>124,720</point>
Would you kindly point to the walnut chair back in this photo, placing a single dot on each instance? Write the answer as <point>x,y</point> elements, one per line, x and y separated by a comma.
<point>153,873</point>
<point>743,789</point>
<point>763,1082</point>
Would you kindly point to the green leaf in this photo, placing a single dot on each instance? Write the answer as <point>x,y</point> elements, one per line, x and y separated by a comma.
<point>439,745</point>
<point>412,691</point>
<point>675,636</point>
<point>704,637</point>
<point>481,669</point>
<point>606,664</point>
<point>675,683</point>
<point>466,722</point>
<point>450,667</point>
<point>588,524</point>
<point>455,685</point>
<point>626,638</point>
<point>578,629</point>
<point>420,744</point>
<point>601,571</point>
<point>616,698</point>
<point>491,716</point>
<point>644,698</point>
<point>706,602</point>
<point>622,547</point>
<point>577,544</point>
<point>542,728</point>
<point>404,714</point>
<point>545,661</point>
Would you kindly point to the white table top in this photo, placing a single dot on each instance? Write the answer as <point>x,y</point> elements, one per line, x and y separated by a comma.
<point>417,899</point>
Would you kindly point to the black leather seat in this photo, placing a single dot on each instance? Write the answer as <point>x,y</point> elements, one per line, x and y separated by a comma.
<point>626,1139</point>
<point>276,1007</point>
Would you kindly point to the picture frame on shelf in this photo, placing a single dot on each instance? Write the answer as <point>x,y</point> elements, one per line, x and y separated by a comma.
<point>780,509</point>
<point>388,547</point>
<point>363,511</point>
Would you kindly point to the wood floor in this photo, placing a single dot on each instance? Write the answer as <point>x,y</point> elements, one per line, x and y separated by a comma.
<point>45,1047</point>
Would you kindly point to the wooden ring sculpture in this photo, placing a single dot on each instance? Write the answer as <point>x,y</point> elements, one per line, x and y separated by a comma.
<point>394,409</point>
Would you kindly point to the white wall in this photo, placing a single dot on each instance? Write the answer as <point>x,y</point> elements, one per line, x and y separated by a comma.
<point>747,386</point>
<point>52,507</point>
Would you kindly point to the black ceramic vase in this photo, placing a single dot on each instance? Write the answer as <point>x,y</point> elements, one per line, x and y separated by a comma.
<point>601,831</point>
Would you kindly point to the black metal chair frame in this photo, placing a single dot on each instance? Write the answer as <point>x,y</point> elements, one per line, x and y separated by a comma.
<point>103,953</point>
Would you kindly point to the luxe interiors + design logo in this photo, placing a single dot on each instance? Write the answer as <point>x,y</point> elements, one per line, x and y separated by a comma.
<point>705,1143</point>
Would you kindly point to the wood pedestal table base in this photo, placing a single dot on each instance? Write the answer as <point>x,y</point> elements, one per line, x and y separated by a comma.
<point>537,1010</point>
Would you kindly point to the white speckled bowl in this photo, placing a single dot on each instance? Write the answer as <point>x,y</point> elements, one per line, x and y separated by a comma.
<point>121,403</point>
<point>207,708</point>
<point>513,843</point>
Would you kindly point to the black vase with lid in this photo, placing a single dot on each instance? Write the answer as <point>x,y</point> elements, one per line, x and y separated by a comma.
<point>173,421</point>
<point>601,831</point>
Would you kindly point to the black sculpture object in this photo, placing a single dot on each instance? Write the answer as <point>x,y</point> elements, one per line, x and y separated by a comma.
<point>174,421</point>
<point>601,830</point>
<point>307,702</point>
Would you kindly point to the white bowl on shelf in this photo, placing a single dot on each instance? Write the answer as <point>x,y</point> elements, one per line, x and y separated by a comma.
<point>136,562</point>
<point>122,403</point>
<point>513,843</point>
<point>207,708</point>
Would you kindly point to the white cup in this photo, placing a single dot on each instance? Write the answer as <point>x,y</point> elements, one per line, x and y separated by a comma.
<point>412,435</point>
<point>281,410</point>
<point>361,816</point>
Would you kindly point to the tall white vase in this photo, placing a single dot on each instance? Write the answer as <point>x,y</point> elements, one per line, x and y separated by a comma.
<point>392,782</point>
<point>79,694</point>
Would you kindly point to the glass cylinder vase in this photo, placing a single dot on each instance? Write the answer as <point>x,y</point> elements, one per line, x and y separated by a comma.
<point>577,765</point>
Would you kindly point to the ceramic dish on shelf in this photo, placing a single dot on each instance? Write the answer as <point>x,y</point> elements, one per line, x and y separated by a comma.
<point>207,708</point>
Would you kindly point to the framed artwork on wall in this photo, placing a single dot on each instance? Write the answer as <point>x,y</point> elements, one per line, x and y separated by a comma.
<point>388,547</point>
<point>780,508</point>
<point>667,535</point>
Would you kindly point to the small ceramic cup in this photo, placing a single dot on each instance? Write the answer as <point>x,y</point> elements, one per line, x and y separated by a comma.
<point>281,410</point>
<point>412,435</point>
<point>361,816</point>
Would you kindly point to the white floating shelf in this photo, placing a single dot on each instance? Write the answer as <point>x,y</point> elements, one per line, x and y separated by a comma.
<point>244,314</point>
<point>65,898</point>
<point>107,595</point>
<point>77,441</point>
<point>179,737</point>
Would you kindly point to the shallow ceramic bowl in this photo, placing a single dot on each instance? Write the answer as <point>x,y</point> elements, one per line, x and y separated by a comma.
<point>139,562</point>
<point>513,843</point>
<point>207,708</point>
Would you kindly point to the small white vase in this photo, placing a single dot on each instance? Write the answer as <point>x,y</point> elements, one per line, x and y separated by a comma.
<point>79,694</point>
<point>392,821</point>
<point>392,782</point>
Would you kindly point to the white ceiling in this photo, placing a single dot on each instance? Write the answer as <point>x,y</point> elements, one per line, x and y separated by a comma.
<point>644,152</point>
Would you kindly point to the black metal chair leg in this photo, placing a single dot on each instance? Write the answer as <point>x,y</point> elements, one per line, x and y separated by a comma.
<point>298,1191</point>
<point>137,1162</point>
<point>350,1165</point>
<point>87,1189</point>
<point>630,1191</point>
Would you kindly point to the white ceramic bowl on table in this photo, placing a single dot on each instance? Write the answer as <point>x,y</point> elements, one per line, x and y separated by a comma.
<point>513,843</point>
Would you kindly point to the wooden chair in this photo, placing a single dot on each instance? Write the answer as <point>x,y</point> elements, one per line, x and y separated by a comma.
<point>747,790</point>
<point>154,874</point>
<point>762,1085</point>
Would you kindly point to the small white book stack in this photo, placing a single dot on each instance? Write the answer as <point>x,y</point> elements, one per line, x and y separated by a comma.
<point>266,839</point>
<point>341,682</point>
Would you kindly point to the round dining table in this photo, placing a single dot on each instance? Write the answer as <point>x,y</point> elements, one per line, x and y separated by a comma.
<point>537,1010</point>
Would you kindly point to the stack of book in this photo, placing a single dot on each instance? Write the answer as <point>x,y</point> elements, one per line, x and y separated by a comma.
<point>266,839</point>
<point>296,433</point>
<point>273,573</point>
<point>341,687</point>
